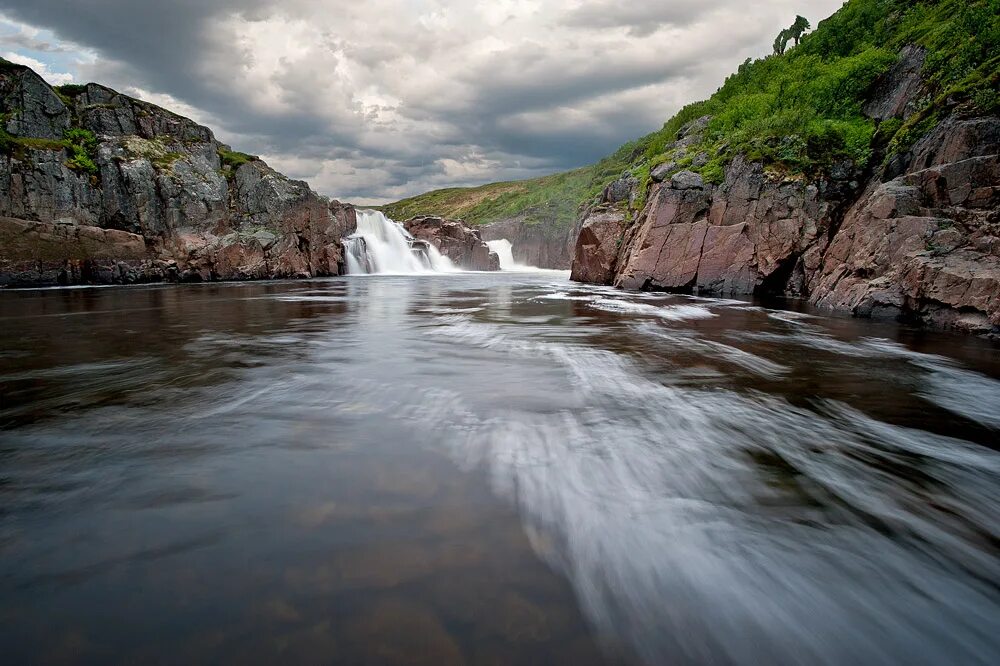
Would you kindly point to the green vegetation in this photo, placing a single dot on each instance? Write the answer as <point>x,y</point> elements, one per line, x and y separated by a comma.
<point>71,89</point>
<point>82,147</point>
<point>798,112</point>
<point>80,144</point>
<point>68,91</point>
<point>233,160</point>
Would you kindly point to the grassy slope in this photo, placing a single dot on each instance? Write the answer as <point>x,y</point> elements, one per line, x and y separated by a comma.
<point>799,113</point>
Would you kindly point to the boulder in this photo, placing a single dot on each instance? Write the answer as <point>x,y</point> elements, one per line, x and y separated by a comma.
<point>455,239</point>
<point>597,247</point>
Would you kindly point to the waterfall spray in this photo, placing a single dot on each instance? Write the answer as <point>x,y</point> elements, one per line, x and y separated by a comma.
<point>381,245</point>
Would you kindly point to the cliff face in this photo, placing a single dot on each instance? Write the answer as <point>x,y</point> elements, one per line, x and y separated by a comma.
<point>534,244</point>
<point>919,241</point>
<point>98,187</point>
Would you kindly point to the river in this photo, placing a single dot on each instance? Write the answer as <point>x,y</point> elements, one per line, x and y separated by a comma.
<point>489,468</point>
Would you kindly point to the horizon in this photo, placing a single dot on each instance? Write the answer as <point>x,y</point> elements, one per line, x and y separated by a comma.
<point>525,101</point>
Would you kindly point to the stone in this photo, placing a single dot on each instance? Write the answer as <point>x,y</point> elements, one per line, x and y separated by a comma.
<point>662,171</point>
<point>622,189</point>
<point>160,180</point>
<point>455,239</point>
<point>895,93</point>
<point>597,247</point>
<point>32,107</point>
<point>686,180</point>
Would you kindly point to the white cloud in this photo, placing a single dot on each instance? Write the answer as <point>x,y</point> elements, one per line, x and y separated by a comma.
<point>53,78</point>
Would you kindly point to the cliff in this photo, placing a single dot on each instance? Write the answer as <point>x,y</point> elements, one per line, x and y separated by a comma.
<point>863,180</point>
<point>922,246</point>
<point>98,187</point>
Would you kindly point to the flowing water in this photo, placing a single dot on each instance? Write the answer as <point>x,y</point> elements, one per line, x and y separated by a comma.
<point>505,252</point>
<point>381,245</point>
<point>489,468</point>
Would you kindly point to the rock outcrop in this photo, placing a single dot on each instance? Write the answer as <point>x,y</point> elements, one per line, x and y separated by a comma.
<point>597,244</point>
<point>201,211</point>
<point>455,239</point>
<point>918,242</point>
<point>534,244</point>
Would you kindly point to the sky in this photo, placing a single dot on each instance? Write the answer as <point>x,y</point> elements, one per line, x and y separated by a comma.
<point>375,100</point>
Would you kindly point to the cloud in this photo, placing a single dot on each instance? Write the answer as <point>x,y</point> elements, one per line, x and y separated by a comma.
<point>53,78</point>
<point>371,101</point>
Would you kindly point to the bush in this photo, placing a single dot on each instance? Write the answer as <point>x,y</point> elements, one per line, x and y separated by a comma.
<point>82,147</point>
<point>233,160</point>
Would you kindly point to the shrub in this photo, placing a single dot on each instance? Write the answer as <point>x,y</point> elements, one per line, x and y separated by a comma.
<point>82,147</point>
<point>233,160</point>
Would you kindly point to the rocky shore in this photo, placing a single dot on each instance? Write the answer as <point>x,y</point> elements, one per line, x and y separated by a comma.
<point>916,239</point>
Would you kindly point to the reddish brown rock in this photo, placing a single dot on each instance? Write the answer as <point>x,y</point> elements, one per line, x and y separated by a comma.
<point>597,247</point>
<point>729,239</point>
<point>922,246</point>
<point>456,240</point>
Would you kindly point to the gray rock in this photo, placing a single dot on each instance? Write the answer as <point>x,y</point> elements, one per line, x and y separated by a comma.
<point>34,109</point>
<point>621,189</point>
<point>696,126</point>
<point>686,180</point>
<point>895,93</point>
<point>662,171</point>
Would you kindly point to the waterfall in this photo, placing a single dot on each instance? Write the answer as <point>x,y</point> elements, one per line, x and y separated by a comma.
<point>505,251</point>
<point>381,245</point>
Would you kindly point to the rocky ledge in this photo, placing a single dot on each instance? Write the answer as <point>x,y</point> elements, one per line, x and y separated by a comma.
<point>919,241</point>
<point>455,239</point>
<point>98,187</point>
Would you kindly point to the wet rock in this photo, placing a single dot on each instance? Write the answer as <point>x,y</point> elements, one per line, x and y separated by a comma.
<point>455,239</point>
<point>38,253</point>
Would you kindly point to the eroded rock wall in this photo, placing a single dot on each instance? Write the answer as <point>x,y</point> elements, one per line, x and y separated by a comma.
<point>159,177</point>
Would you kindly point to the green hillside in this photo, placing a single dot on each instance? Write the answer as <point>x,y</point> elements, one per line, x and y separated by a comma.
<point>799,112</point>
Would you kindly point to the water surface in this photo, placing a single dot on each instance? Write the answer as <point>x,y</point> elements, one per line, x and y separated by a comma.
<point>485,469</point>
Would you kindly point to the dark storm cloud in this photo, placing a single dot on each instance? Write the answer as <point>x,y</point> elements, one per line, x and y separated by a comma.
<point>386,98</point>
<point>641,18</point>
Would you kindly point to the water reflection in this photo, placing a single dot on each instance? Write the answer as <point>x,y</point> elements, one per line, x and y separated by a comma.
<point>488,469</point>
